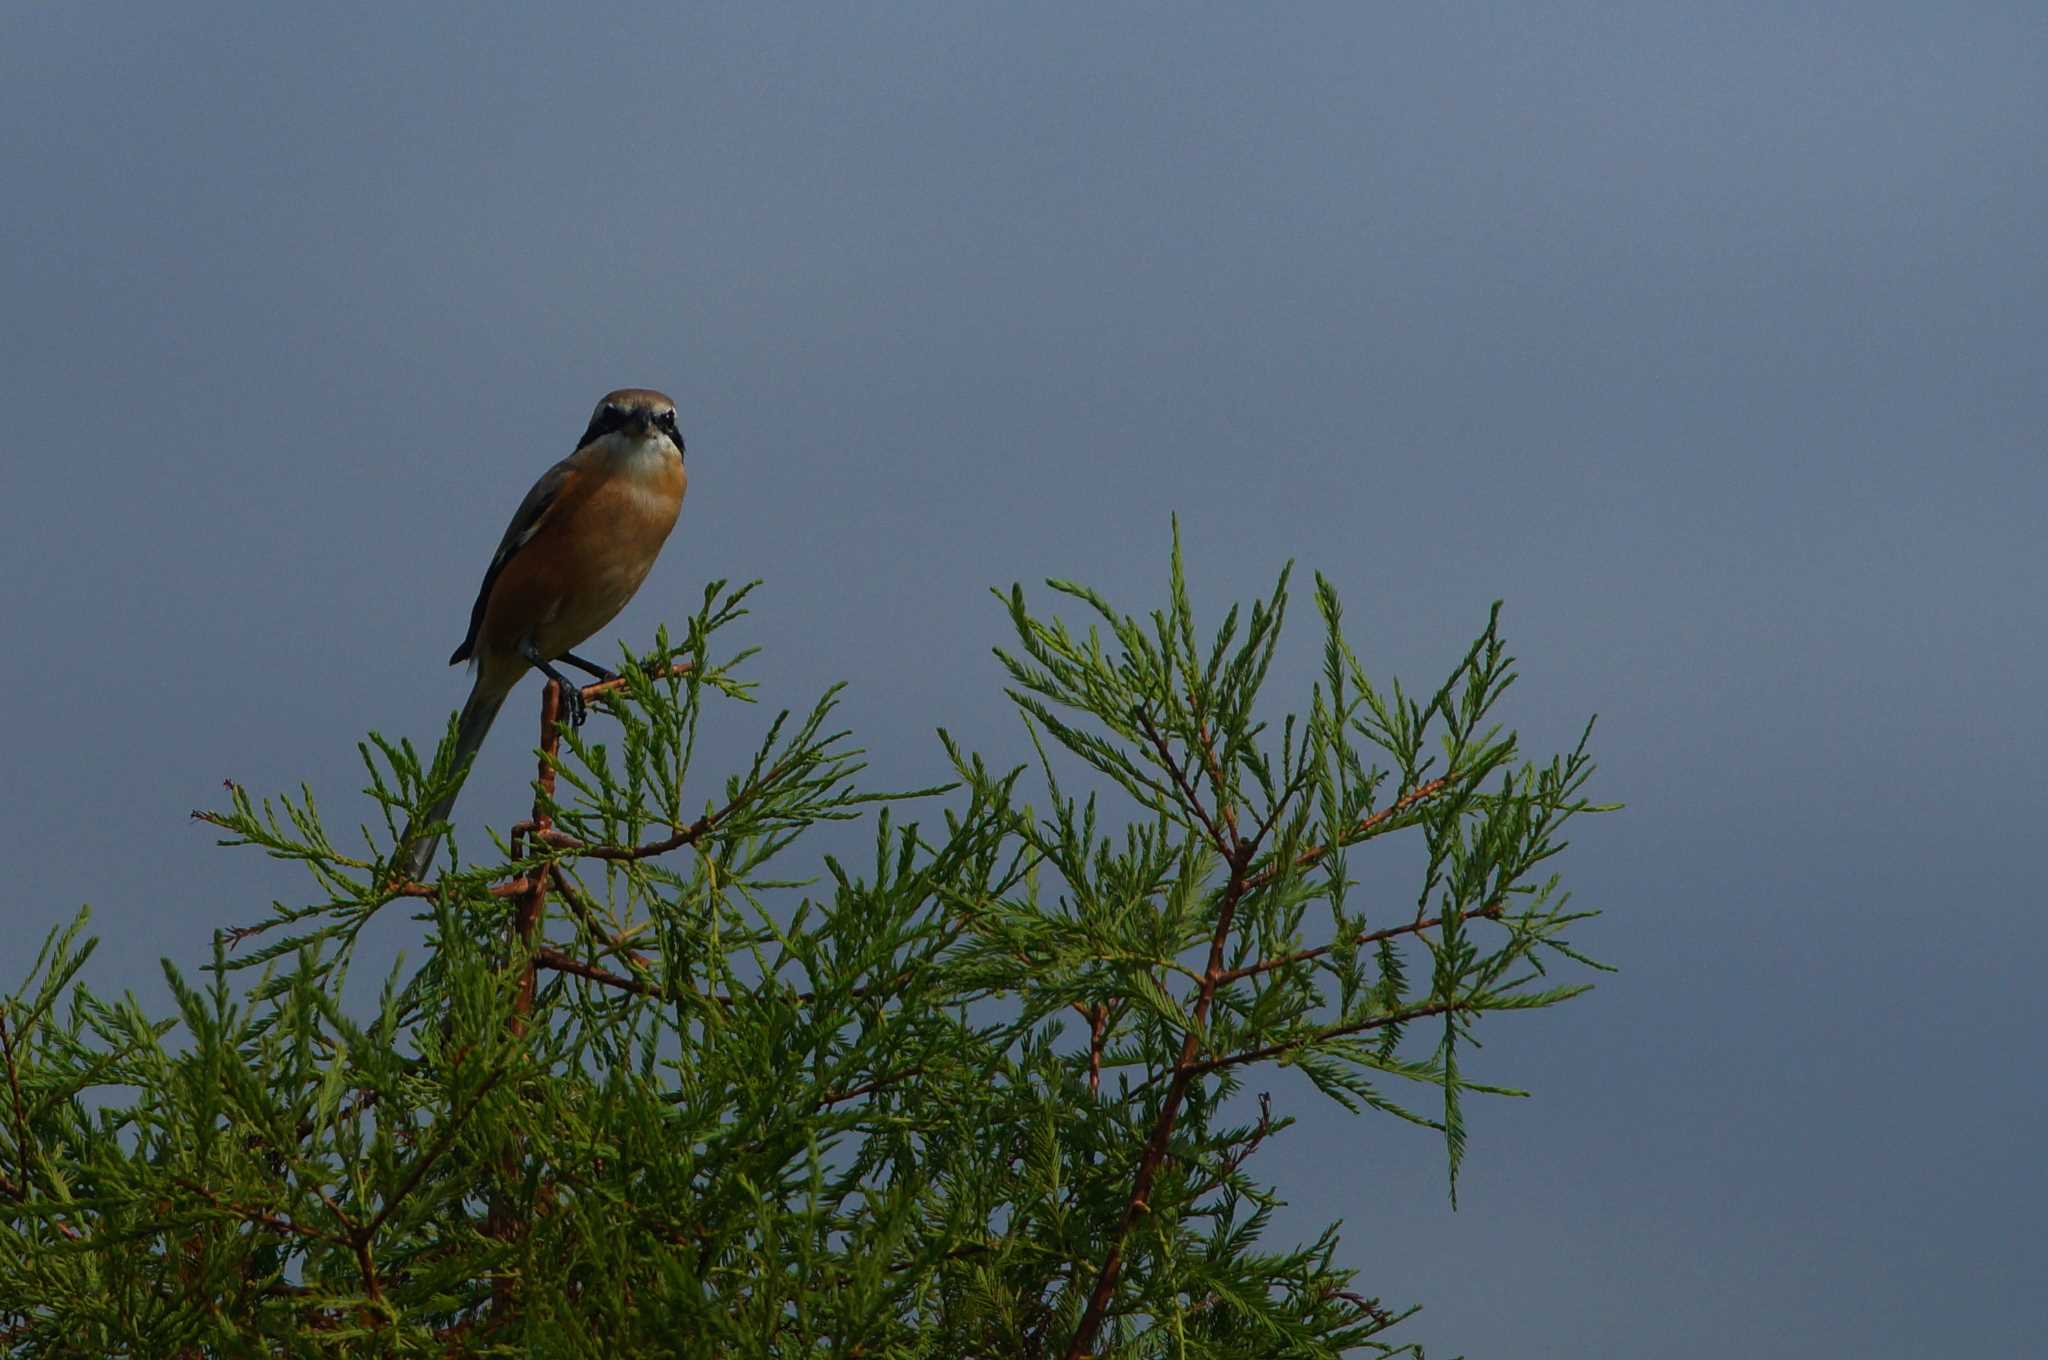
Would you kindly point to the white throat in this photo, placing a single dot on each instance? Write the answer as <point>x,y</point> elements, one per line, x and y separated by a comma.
<point>638,454</point>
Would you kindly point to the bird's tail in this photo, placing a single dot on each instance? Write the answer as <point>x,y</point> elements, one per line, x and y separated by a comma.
<point>422,836</point>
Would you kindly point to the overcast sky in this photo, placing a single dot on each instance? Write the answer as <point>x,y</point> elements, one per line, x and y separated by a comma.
<point>1711,337</point>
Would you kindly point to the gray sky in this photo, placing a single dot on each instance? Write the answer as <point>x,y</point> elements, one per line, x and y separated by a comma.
<point>1710,336</point>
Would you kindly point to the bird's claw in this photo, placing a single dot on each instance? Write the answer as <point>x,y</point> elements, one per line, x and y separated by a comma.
<point>572,706</point>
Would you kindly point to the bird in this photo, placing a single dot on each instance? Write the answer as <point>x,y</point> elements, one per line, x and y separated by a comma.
<point>577,549</point>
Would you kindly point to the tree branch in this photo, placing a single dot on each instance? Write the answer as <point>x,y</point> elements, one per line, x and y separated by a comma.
<point>1187,1068</point>
<point>427,1159</point>
<point>547,956</point>
<point>249,1213</point>
<point>1420,793</point>
<point>1214,770</point>
<point>1224,845</point>
<point>21,1133</point>
<point>1399,1017</point>
<point>1490,912</point>
<point>1184,1073</point>
<point>688,835</point>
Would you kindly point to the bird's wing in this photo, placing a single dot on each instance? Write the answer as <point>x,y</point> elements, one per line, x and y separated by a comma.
<point>526,522</point>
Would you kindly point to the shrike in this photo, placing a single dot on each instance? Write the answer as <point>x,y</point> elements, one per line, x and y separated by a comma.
<point>578,547</point>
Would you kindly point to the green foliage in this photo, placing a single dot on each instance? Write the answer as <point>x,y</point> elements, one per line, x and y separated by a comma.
<point>658,1089</point>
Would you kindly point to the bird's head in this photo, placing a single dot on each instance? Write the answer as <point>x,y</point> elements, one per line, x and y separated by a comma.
<point>638,413</point>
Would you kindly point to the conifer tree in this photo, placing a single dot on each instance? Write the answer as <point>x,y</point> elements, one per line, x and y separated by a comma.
<point>666,1080</point>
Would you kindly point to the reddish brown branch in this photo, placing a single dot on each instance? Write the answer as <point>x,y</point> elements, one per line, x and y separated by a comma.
<point>1490,912</point>
<point>547,956</point>
<point>21,1133</point>
<point>1240,1154</point>
<point>445,1140</point>
<point>1098,1024</point>
<point>529,905</point>
<point>527,909</point>
<point>511,887</point>
<point>367,1267</point>
<point>266,1218</point>
<point>617,942</point>
<point>1224,845</point>
<point>1188,1067</point>
<point>618,682</point>
<point>1420,793</point>
<point>562,840</point>
<point>688,835</point>
<point>1214,769</point>
<point>1400,1017</point>
<point>1184,1072</point>
<point>868,1088</point>
<point>14,1190</point>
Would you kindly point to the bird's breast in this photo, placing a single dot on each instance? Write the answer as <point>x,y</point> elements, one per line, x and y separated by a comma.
<point>642,496</point>
<point>587,560</point>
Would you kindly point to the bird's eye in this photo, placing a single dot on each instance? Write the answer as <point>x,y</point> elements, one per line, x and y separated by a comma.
<point>667,420</point>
